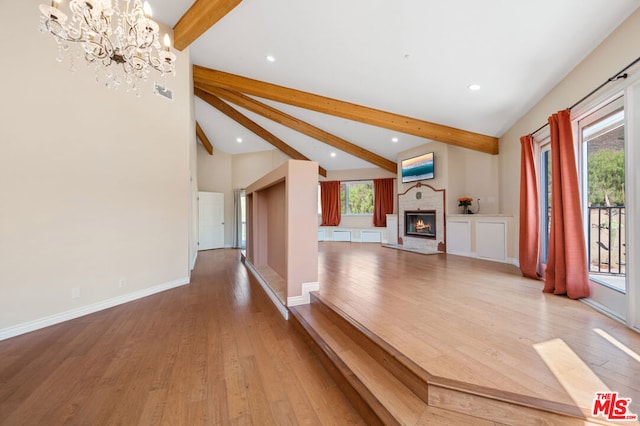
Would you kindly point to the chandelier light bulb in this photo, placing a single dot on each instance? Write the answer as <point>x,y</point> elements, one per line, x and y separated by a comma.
<point>146,7</point>
<point>55,3</point>
<point>167,41</point>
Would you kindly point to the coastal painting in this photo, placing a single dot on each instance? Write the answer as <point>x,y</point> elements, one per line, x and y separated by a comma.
<point>418,168</point>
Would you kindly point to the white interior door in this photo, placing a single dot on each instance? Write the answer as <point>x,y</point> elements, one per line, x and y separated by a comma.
<point>210,220</point>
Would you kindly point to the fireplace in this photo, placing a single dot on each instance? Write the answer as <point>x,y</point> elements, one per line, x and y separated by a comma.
<point>420,223</point>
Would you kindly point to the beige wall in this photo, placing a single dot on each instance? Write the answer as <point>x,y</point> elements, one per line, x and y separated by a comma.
<point>94,182</point>
<point>614,53</point>
<point>193,182</point>
<point>247,168</point>
<point>462,172</point>
<point>275,210</point>
<point>223,172</point>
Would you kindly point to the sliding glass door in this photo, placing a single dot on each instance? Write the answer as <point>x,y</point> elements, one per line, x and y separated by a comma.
<point>601,135</point>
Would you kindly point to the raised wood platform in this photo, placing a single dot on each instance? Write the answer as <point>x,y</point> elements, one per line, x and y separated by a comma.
<point>443,339</point>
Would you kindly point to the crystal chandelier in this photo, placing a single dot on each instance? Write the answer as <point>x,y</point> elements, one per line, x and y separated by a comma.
<point>118,36</point>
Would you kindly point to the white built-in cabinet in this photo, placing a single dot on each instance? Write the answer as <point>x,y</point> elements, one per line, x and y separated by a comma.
<point>480,236</point>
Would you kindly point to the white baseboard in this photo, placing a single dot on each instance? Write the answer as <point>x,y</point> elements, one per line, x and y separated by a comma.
<point>305,298</point>
<point>29,326</point>
<point>474,255</point>
<point>274,298</point>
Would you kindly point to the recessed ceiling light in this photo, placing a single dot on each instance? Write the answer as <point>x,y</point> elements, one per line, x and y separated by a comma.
<point>239,140</point>
<point>333,154</point>
<point>271,58</point>
<point>474,87</point>
<point>394,139</point>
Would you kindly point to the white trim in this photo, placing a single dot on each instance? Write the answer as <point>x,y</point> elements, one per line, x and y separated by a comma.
<point>305,298</point>
<point>632,154</point>
<point>274,298</point>
<point>29,326</point>
<point>603,310</point>
<point>515,262</point>
<point>193,264</point>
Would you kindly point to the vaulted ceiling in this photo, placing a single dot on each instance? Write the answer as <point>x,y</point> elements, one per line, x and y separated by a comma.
<point>366,79</point>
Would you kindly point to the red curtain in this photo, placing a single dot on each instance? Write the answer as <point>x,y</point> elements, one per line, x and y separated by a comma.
<point>529,250</point>
<point>330,203</point>
<point>383,198</point>
<point>566,271</point>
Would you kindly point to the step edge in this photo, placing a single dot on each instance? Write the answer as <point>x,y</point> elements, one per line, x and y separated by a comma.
<point>498,395</point>
<point>366,397</point>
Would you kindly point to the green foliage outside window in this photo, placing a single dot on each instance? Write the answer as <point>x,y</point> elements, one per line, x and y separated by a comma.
<point>356,197</point>
<point>606,177</point>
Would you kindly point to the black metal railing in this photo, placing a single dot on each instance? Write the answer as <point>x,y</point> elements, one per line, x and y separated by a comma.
<point>607,244</point>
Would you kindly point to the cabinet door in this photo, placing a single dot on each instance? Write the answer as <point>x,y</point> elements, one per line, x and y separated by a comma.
<point>459,237</point>
<point>491,240</point>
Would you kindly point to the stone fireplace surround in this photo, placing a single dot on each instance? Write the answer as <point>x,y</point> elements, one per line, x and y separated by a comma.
<point>423,197</point>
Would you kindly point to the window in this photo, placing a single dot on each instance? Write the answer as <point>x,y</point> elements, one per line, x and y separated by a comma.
<point>356,198</point>
<point>601,136</point>
<point>545,198</point>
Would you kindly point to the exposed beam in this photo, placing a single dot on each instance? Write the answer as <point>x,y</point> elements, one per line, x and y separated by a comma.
<point>203,138</point>
<point>242,119</point>
<point>375,117</point>
<point>300,126</point>
<point>201,16</point>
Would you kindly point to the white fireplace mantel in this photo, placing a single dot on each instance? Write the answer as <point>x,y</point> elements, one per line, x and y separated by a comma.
<point>423,197</point>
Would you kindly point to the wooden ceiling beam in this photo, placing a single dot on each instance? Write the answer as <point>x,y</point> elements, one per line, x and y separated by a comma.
<point>400,123</point>
<point>203,138</point>
<point>300,126</point>
<point>245,121</point>
<point>201,16</point>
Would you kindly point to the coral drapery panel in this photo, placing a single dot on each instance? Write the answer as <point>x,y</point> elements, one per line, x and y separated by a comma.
<point>529,248</point>
<point>330,203</point>
<point>383,196</point>
<point>566,271</point>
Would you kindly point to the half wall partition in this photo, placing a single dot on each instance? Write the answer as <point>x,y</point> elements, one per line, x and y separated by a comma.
<point>282,231</point>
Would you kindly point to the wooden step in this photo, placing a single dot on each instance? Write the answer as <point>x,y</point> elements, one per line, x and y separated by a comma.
<point>380,397</point>
<point>388,388</point>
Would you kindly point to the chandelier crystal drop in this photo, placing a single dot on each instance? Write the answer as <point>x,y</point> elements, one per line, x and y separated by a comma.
<point>118,36</point>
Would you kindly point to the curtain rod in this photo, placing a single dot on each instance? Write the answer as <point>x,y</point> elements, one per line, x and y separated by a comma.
<point>617,76</point>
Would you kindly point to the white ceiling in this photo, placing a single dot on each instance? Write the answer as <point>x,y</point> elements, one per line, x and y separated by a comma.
<point>411,57</point>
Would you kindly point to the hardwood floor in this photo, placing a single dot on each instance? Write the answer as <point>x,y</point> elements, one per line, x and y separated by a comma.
<point>482,323</point>
<point>217,352</point>
<point>213,352</point>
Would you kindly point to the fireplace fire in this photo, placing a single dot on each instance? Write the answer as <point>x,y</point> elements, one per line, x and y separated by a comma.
<point>420,223</point>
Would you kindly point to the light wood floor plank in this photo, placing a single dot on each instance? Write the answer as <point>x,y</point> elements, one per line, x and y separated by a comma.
<point>212,352</point>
